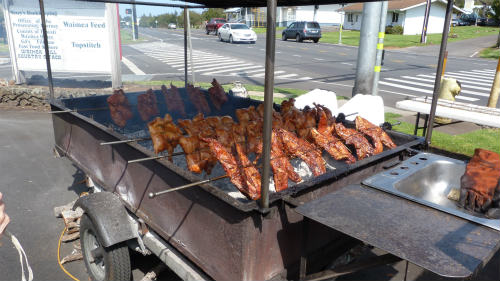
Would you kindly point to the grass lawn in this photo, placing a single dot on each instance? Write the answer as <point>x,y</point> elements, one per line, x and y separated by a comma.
<point>464,143</point>
<point>263,30</point>
<point>490,53</point>
<point>126,37</point>
<point>402,41</point>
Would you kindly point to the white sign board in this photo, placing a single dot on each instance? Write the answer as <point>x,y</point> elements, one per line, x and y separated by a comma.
<point>78,34</point>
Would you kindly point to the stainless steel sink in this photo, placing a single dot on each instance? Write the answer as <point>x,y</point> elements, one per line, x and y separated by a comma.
<point>428,179</point>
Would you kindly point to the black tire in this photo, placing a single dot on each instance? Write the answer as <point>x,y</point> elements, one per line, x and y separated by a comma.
<point>220,38</point>
<point>316,40</point>
<point>231,39</point>
<point>103,263</point>
<point>298,38</point>
<point>207,31</point>
<point>283,37</point>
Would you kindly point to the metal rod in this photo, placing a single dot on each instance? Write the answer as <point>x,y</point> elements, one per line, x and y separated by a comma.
<point>46,47</point>
<point>77,109</point>
<point>268,102</point>
<point>123,141</point>
<point>380,47</point>
<point>423,37</point>
<point>150,158</point>
<point>185,49</point>
<point>144,3</point>
<point>154,194</point>
<point>193,80</point>
<point>437,82</point>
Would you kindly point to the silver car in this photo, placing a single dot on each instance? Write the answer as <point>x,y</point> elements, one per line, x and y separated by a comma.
<point>236,32</point>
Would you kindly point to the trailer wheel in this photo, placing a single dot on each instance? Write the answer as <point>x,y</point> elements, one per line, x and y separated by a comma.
<point>103,263</point>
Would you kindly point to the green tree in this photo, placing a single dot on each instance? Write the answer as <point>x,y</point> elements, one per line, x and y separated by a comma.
<point>212,13</point>
<point>194,18</point>
<point>495,7</point>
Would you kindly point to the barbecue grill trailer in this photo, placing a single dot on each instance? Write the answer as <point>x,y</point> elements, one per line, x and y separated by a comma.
<point>202,232</point>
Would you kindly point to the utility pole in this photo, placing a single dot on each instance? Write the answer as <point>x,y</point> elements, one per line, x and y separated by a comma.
<point>495,88</point>
<point>135,29</point>
<point>423,37</point>
<point>367,48</point>
<point>342,17</point>
<point>188,26</point>
<point>316,7</point>
<point>380,47</point>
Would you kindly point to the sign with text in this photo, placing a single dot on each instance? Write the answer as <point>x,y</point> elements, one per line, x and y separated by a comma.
<point>78,35</point>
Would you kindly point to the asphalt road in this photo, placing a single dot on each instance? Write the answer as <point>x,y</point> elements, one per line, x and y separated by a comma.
<point>307,65</point>
<point>405,73</point>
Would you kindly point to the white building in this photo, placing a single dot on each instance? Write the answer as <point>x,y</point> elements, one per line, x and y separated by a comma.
<point>325,15</point>
<point>407,13</point>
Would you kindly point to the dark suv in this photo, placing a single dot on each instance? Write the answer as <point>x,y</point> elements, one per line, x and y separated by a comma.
<point>302,30</point>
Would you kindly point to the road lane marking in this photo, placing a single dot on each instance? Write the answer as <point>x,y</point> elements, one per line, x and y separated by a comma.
<point>468,77</point>
<point>132,66</point>
<point>486,71</point>
<point>227,70</point>
<point>200,63</point>
<point>346,63</point>
<point>475,53</point>
<point>462,80</point>
<point>432,86</point>
<point>218,66</point>
<point>486,75</point>
<point>432,81</point>
<point>342,54</point>
<point>305,78</point>
<point>422,90</point>
<point>323,51</point>
<point>398,61</point>
<point>318,59</point>
<point>287,75</point>
<point>297,56</point>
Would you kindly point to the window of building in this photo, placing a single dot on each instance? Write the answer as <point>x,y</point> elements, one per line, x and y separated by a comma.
<point>349,17</point>
<point>395,17</point>
<point>357,17</point>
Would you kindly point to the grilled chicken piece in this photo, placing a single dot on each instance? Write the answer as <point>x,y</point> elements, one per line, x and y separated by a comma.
<point>239,132</point>
<point>376,133</point>
<point>304,150</point>
<point>198,99</point>
<point>254,115</point>
<point>173,100</point>
<point>227,121</point>
<point>324,125</point>
<point>214,122</point>
<point>191,147</point>
<point>208,160</point>
<point>250,174</point>
<point>194,126</point>
<point>225,137</point>
<point>351,136</point>
<point>146,105</point>
<point>242,115</point>
<point>287,106</point>
<point>254,136</point>
<point>282,168</point>
<point>119,108</point>
<point>229,164</point>
<point>333,146</point>
<point>217,95</point>
<point>164,134</point>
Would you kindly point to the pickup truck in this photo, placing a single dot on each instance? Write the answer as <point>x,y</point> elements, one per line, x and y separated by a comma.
<point>214,24</point>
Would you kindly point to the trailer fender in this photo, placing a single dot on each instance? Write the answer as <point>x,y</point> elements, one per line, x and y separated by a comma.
<point>109,216</point>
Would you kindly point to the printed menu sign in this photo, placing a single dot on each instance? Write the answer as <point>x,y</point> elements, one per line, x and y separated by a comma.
<point>78,36</point>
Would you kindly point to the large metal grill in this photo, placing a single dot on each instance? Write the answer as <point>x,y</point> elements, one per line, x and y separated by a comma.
<point>136,128</point>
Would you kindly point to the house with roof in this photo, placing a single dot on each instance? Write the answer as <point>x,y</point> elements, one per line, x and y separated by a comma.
<point>407,13</point>
<point>324,14</point>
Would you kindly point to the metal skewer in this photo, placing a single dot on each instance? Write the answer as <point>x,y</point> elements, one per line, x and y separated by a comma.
<point>124,141</point>
<point>77,109</point>
<point>154,194</point>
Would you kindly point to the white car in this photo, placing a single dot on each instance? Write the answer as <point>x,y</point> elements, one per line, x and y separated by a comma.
<point>172,26</point>
<point>236,32</point>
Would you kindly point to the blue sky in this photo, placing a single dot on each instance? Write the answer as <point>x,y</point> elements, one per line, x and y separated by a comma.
<point>153,10</point>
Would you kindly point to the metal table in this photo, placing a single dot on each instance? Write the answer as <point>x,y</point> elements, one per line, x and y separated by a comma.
<point>436,241</point>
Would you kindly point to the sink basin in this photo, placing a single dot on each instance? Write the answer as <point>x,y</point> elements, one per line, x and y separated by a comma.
<point>427,179</point>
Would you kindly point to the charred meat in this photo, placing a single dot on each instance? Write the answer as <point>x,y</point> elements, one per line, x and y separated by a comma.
<point>119,108</point>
